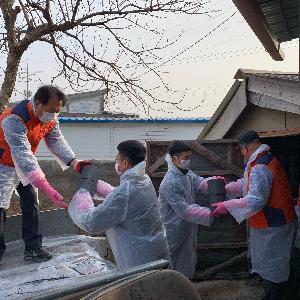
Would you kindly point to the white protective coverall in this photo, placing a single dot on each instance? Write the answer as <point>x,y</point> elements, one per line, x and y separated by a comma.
<point>130,217</point>
<point>270,247</point>
<point>180,216</point>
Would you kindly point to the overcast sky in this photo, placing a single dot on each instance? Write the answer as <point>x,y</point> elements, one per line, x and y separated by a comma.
<point>203,74</point>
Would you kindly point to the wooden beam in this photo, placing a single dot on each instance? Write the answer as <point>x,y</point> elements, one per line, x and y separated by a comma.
<point>221,267</point>
<point>157,164</point>
<point>218,141</point>
<point>222,246</point>
<point>256,20</point>
<point>199,173</point>
<point>279,133</point>
<point>213,157</point>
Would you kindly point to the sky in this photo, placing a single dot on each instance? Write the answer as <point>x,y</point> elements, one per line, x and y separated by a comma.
<point>198,70</point>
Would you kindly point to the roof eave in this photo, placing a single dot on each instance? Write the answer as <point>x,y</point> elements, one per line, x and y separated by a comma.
<point>256,20</point>
<point>219,110</point>
<point>241,74</point>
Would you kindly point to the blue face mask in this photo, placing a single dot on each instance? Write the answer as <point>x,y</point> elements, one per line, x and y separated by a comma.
<point>48,117</point>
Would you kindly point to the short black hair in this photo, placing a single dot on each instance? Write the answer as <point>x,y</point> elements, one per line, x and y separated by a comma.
<point>178,147</point>
<point>134,151</point>
<point>46,92</point>
<point>248,137</point>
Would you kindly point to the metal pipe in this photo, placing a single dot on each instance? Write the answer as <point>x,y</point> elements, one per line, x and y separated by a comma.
<point>96,282</point>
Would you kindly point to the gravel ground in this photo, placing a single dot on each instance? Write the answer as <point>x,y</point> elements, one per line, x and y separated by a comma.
<point>244,289</point>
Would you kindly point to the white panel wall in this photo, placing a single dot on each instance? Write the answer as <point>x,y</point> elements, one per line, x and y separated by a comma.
<point>99,141</point>
<point>86,104</point>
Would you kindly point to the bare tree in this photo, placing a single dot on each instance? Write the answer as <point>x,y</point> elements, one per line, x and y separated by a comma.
<point>82,32</point>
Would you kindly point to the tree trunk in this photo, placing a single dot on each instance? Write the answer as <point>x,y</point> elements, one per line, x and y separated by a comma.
<point>10,76</point>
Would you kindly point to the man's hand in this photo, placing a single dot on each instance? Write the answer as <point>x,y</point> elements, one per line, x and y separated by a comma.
<point>78,165</point>
<point>220,209</point>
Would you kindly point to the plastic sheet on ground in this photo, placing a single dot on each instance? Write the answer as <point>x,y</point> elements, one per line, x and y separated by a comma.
<point>75,258</point>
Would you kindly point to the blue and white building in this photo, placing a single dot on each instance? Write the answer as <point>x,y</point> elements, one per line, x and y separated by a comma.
<point>97,137</point>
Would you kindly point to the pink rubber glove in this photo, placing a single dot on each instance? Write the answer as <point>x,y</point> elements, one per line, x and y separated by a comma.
<point>85,201</point>
<point>219,210</point>
<point>237,203</point>
<point>234,188</point>
<point>103,188</point>
<point>43,185</point>
<point>218,177</point>
<point>198,212</point>
<point>203,186</point>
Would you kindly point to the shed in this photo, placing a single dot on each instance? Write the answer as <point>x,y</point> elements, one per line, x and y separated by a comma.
<point>268,102</point>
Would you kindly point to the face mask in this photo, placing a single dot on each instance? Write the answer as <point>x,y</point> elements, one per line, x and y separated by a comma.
<point>184,164</point>
<point>117,168</point>
<point>47,117</point>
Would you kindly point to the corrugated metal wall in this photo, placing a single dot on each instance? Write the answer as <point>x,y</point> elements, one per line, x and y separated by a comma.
<point>99,141</point>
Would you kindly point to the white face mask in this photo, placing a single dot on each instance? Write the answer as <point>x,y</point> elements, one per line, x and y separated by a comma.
<point>117,168</point>
<point>47,117</point>
<point>184,164</point>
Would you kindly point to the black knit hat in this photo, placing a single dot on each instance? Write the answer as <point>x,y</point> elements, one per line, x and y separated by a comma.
<point>248,137</point>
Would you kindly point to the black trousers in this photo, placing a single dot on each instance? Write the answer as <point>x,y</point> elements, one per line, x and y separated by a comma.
<point>31,234</point>
<point>295,275</point>
<point>275,291</point>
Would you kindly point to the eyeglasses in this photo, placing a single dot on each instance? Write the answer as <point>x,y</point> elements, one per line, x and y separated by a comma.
<point>239,147</point>
<point>246,146</point>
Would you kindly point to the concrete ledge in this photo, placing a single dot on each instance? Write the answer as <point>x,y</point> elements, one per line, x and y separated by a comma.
<point>54,222</point>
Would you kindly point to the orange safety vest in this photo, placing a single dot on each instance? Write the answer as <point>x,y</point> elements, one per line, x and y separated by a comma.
<point>36,130</point>
<point>279,209</point>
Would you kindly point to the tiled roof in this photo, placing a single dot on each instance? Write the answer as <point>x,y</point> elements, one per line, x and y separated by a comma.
<point>282,18</point>
<point>288,77</point>
<point>277,75</point>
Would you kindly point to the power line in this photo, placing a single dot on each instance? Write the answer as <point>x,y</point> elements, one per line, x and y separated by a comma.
<point>191,46</point>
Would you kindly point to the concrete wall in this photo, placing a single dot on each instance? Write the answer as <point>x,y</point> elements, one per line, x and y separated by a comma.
<point>65,182</point>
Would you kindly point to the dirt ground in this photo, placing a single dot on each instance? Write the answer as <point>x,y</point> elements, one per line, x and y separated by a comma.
<point>244,289</point>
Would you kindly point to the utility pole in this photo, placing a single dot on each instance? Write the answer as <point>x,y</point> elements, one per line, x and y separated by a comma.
<point>27,82</point>
<point>27,77</point>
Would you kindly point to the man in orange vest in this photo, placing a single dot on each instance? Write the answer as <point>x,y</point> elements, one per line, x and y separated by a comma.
<point>22,128</point>
<point>295,259</point>
<point>267,203</point>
